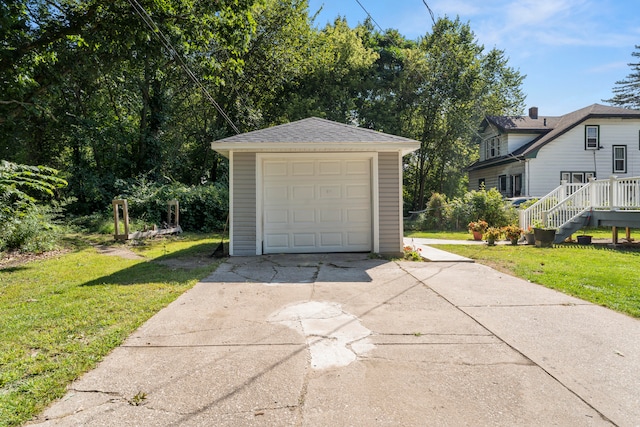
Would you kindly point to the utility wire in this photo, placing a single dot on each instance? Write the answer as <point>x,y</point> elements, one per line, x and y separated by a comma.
<point>433,19</point>
<point>140,10</point>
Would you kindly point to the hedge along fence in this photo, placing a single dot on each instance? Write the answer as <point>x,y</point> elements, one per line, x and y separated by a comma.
<point>203,208</point>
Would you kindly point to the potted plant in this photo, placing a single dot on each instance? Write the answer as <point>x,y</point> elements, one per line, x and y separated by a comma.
<point>584,239</point>
<point>529,236</point>
<point>513,233</point>
<point>477,228</point>
<point>543,236</point>
<point>492,234</point>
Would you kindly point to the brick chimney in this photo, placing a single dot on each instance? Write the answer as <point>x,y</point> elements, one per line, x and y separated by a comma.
<point>533,112</point>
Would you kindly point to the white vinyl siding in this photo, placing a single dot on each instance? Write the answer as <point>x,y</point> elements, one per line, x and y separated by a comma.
<point>390,194</point>
<point>243,220</point>
<point>567,153</point>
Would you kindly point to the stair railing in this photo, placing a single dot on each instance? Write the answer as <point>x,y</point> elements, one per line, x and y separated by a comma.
<point>570,200</point>
<point>534,214</point>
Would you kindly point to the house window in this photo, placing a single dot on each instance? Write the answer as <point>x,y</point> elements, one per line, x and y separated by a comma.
<point>591,137</point>
<point>492,148</point>
<point>578,177</point>
<point>516,185</point>
<point>619,159</point>
<point>502,184</point>
<point>481,183</point>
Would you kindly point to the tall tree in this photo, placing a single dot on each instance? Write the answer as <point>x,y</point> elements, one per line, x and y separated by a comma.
<point>90,88</point>
<point>458,84</point>
<point>627,91</point>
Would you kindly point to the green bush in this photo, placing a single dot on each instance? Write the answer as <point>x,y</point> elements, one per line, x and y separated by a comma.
<point>455,214</point>
<point>32,229</point>
<point>202,207</point>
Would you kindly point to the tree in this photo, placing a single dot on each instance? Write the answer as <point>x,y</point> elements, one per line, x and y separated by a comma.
<point>91,90</point>
<point>627,91</point>
<point>458,84</point>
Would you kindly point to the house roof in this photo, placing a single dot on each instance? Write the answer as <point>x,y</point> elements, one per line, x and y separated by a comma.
<point>524,124</point>
<point>571,120</point>
<point>555,127</point>
<point>314,134</point>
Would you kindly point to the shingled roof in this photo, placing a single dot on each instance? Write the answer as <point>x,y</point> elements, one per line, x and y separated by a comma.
<point>314,134</point>
<point>571,120</point>
<point>549,128</point>
<point>523,124</point>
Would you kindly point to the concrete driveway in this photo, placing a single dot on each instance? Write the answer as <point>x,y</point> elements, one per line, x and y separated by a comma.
<point>322,340</point>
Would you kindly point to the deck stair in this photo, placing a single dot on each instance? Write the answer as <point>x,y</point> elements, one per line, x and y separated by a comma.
<point>571,207</point>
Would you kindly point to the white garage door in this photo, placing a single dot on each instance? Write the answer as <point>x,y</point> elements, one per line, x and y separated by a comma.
<point>316,205</point>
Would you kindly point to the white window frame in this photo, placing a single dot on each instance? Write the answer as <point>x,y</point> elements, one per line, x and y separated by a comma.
<point>591,142</point>
<point>617,159</point>
<point>576,177</point>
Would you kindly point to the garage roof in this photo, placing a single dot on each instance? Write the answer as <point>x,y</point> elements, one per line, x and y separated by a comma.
<point>314,134</point>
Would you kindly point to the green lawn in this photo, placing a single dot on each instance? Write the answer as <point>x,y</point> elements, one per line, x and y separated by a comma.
<point>598,274</point>
<point>60,316</point>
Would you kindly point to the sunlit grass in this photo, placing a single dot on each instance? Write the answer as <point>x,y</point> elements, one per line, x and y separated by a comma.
<point>60,316</point>
<point>601,275</point>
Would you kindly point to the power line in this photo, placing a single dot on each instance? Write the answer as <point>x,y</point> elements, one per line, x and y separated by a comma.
<point>140,10</point>
<point>433,19</point>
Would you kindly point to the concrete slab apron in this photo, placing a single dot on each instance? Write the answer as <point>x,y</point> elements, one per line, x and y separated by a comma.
<point>245,347</point>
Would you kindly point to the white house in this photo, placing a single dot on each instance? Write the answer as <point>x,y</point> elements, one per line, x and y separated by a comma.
<point>315,186</point>
<point>531,155</point>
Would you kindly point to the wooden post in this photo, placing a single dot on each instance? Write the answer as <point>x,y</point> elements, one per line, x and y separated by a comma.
<point>614,235</point>
<point>628,234</point>
<point>173,204</point>
<point>116,219</point>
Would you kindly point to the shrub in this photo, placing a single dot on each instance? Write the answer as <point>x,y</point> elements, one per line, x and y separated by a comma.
<point>435,216</point>
<point>202,207</point>
<point>32,229</point>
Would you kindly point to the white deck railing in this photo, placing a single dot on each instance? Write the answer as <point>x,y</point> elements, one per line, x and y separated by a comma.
<point>570,200</point>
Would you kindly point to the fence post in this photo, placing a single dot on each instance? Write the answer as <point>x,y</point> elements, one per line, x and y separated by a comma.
<point>565,188</point>
<point>613,188</point>
<point>593,194</point>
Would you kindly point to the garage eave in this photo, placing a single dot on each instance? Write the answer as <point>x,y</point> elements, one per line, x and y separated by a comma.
<point>314,147</point>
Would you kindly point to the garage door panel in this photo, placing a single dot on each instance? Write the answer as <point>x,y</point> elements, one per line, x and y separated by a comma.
<point>330,239</point>
<point>319,205</point>
<point>275,168</point>
<point>279,193</point>
<point>330,216</point>
<point>333,191</point>
<point>304,216</point>
<point>304,193</point>
<point>277,216</point>
<point>357,167</point>
<point>358,191</point>
<point>304,240</point>
<point>276,241</point>
<point>357,239</point>
<point>329,167</point>
<point>302,168</point>
<point>358,216</point>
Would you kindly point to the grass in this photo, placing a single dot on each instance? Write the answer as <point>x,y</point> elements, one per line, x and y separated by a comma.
<point>597,274</point>
<point>597,233</point>
<point>448,235</point>
<point>59,317</point>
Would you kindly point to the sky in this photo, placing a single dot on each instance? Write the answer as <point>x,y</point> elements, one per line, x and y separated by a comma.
<point>571,51</point>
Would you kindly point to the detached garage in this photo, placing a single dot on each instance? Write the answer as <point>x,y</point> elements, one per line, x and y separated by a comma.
<point>315,186</point>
